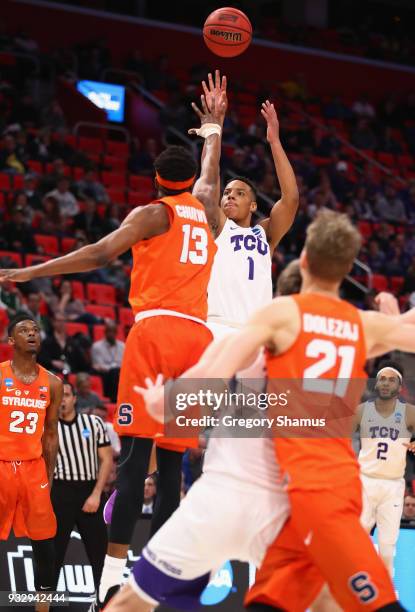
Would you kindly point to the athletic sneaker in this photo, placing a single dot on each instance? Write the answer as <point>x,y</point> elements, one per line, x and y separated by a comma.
<point>108,508</point>
<point>97,605</point>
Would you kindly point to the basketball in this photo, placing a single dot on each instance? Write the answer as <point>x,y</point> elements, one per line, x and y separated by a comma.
<point>227,32</point>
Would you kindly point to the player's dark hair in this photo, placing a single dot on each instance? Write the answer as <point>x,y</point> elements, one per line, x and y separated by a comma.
<point>247,181</point>
<point>17,319</point>
<point>176,164</point>
<point>389,363</point>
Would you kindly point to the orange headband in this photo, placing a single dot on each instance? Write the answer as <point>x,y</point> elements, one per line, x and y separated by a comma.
<point>175,185</point>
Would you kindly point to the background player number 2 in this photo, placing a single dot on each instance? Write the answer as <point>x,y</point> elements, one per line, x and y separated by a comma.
<point>382,450</point>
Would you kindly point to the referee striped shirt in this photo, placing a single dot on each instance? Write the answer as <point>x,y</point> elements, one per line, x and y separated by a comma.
<point>79,441</point>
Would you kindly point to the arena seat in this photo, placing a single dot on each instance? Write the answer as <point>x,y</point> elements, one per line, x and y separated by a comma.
<point>115,164</point>
<point>90,145</point>
<point>78,173</point>
<point>104,312</point>
<point>6,351</point>
<point>365,228</point>
<point>117,196</point>
<point>72,328</point>
<point>125,316</point>
<point>49,244</point>
<point>101,294</point>
<point>5,181</point>
<point>387,159</point>
<point>35,166</point>
<point>111,408</point>
<point>114,179</point>
<point>18,180</point>
<point>96,385</point>
<point>379,282</point>
<point>138,198</point>
<point>78,292</point>
<point>117,148</point>
<point>16,257</point>
<point>98,333</point>
<point>67,170</point>
<point>33,258</point>
<point>138,182</point>
<point>396,284</point>
<point>67,244</point>
<point>405,161</point>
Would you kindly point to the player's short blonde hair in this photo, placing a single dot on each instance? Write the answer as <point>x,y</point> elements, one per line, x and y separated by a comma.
<point>331,246</point>
<point>289,281</point>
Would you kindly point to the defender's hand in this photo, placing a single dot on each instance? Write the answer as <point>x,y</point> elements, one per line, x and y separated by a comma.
<point>153,395</point>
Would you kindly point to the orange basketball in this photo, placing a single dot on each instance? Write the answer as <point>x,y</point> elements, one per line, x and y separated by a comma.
<point>227,32</point>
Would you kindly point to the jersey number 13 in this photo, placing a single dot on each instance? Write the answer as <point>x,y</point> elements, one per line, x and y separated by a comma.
<point>195,242</point>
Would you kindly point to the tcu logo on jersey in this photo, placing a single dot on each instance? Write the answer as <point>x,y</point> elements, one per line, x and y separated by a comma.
<point>249,243</point>
<point>384,432</point>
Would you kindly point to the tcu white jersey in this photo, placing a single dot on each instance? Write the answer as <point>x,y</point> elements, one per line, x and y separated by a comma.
<point>240,282</point>
<point>250,462</point>
<point>382,454</point>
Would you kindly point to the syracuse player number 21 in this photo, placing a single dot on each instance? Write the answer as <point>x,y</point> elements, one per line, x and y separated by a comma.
<point>330,355</point>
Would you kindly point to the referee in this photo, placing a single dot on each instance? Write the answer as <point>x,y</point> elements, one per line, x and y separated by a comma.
<point>83,466</point>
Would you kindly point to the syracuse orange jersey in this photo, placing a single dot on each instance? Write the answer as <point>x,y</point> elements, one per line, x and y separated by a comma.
<point>172,271</point>
<point>22,416</point>
<point>325,366</point>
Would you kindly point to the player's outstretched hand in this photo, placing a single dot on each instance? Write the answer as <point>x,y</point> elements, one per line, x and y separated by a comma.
<point>270,115</point>
<point>387,303</point>
<point>153,395</point>
<point>410,446</point>
<point>206,115</point>
<point>216,89</point>
<point>16,276</point>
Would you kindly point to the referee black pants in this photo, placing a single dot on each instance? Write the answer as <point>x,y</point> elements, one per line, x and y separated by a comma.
<point>68,498</point>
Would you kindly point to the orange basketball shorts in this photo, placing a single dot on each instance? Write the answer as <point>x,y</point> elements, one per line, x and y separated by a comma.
<point>161,344</point>
<point>323,541</point>
<point>25,500</point>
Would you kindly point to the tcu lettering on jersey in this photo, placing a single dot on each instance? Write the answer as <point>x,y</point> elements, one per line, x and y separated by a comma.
<point>384,432</point>
<point>249,243</point>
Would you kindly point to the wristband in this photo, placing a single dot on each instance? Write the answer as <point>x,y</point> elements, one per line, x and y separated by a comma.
<point>207,129</point>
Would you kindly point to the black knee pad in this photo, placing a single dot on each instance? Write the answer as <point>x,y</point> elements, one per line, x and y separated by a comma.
<point>44,564</point>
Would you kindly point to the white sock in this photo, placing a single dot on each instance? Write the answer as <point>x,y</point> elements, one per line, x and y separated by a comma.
<point>112,574</point>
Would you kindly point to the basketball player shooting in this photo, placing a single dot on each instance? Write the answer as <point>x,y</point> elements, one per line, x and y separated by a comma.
<point>241,281</point>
